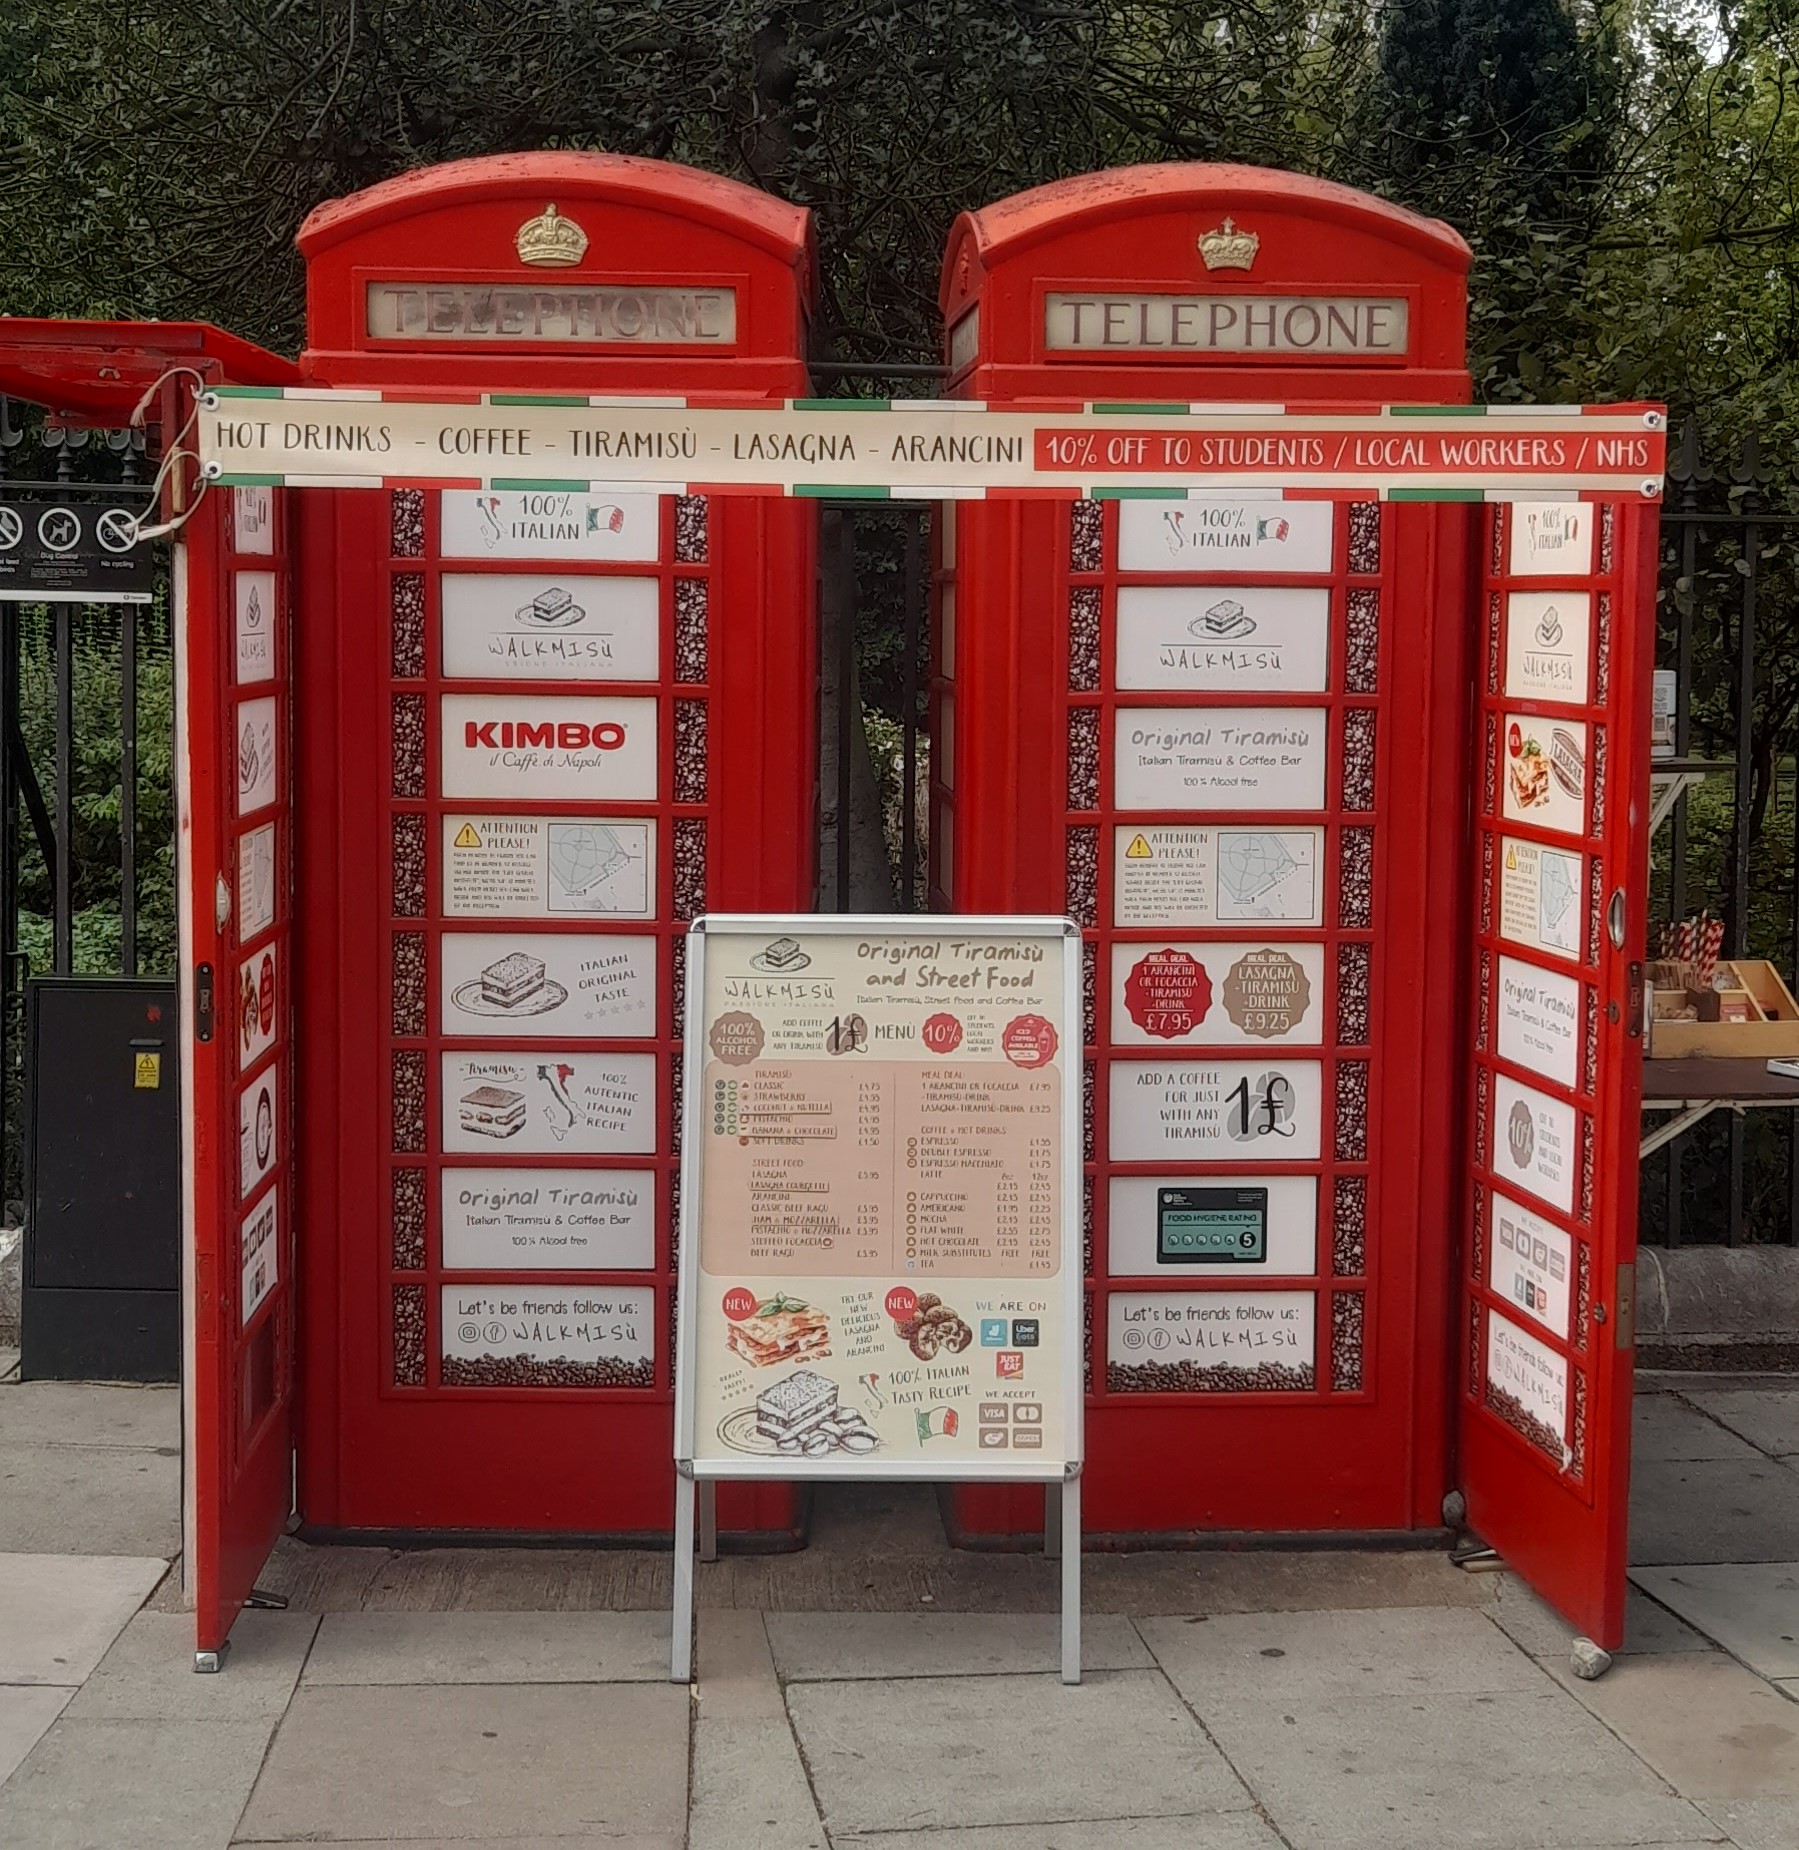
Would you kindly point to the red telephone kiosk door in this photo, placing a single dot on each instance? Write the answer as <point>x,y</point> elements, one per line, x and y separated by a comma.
<point>543,726</point>
<point>229,615</point>
<point>1230,735</point>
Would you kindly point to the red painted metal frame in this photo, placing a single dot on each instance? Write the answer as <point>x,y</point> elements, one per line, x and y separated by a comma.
<point>377,1456</point>
<point>1566,1529</point>
<point>1374,1455</point>
<point>244,1371</point>
<point>237,1398</point>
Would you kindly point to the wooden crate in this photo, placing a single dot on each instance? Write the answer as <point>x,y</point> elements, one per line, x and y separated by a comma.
<point>1768,1028</point>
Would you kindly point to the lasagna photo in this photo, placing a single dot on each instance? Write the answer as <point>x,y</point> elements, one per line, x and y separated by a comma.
<point>781,1330</point>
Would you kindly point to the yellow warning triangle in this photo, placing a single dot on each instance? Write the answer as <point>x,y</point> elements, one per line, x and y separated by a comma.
<point>1139,850</point>
<point>466,836</point>
<point>1511,860</point>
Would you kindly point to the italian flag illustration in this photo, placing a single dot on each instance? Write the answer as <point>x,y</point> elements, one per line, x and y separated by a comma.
<point>938,1423</point>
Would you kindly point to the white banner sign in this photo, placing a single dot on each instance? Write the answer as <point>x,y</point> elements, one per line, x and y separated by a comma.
<point>571,453</point>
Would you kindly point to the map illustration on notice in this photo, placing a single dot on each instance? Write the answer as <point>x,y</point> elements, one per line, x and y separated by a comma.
<point>1555,902</point>
<point>1264,874</point>
<point>594,868</point>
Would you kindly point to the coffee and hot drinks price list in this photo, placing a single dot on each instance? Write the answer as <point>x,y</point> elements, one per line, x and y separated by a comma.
<point>880,1207</point>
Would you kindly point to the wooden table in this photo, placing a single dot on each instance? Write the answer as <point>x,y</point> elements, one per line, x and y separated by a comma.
<point>1694,1088</point>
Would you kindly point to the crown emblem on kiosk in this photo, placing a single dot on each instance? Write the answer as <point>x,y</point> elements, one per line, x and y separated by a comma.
<point>1229,247</point>
<point>551,240</point>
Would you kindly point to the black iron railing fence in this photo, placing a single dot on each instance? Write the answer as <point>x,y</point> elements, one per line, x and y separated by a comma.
<point>87,812</point>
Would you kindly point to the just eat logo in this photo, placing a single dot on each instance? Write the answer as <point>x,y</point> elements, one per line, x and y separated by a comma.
<point>568,735</point>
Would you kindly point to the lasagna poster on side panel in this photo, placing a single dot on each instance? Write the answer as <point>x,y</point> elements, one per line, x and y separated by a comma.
<point>880,1278</point>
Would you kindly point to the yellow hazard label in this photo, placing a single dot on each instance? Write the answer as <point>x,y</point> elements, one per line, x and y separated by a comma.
<point>1139,850</point>
<point>1511,860</point>
<point>149,1071</point>
<point>466,836</point>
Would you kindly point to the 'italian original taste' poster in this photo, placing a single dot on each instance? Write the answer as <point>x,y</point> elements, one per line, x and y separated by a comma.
<point>874,1270</point>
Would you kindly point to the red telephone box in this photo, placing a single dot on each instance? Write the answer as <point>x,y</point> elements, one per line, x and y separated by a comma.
<point>1236,735</point>
<point>539,727</point>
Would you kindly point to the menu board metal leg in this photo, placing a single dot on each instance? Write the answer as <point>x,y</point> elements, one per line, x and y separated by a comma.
<point>1071,1580</point>
<point>681,1656</point>
<point>708,1520</point>
<point>1052,1522</point>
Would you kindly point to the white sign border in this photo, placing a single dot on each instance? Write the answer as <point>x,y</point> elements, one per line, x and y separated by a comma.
<point>984,1468</point>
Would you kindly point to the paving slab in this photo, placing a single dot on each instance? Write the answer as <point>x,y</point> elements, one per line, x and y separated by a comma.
<point>1233,1830</point>
<point>105,1785</point>
<point>25,1714</point>
<point>1768,1418</point>
<point>148,1675</point>
<point>607,1761</point>
<point>90,1413</point>
<point>1713,1510</point>
<point>1275,1658</point>
<point>749,1789</point>
<point>1750,1607</point>
<point>1501,1770</point>
<point>1535,1626</point>
<point>60,1613</point>
<point>490,1647</point>
<point>1756,1824</point>
<point>1711,1728</point>
<point>828,1646</point>
<point>1666,1428</point>
<point>89,1500</point>
<point>929,1753</point>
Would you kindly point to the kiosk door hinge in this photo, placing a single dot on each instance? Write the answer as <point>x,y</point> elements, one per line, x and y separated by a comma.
<point>203,1003</point>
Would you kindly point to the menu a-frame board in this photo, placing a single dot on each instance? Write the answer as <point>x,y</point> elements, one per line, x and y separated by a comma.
<point>880,1260</point>
<point>1560,884</point>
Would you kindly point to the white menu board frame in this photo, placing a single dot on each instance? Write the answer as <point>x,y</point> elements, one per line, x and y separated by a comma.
<point>904,943</point>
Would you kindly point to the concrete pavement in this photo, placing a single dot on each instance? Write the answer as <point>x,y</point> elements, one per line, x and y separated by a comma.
<point>881,1692</point>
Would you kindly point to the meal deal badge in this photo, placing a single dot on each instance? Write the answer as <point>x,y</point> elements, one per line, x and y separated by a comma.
<point>500,745</point>
<point>880,1196</point>
<point>1220,757</point>
<point>1548,645</point>
<point>1217,995</point>
<point>1543,770</point>
<point>1539,896</point>
<point>1225,534</point>
<point>1534,1142</point>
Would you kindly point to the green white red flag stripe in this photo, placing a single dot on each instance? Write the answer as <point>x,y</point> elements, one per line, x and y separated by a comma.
<point>923,449</point>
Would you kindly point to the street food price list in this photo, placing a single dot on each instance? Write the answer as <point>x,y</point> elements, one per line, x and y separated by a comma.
<point>879,1274</point>
<point>909,1168</point>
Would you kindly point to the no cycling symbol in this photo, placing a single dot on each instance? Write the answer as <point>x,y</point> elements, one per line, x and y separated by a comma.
<point>116,529</point>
